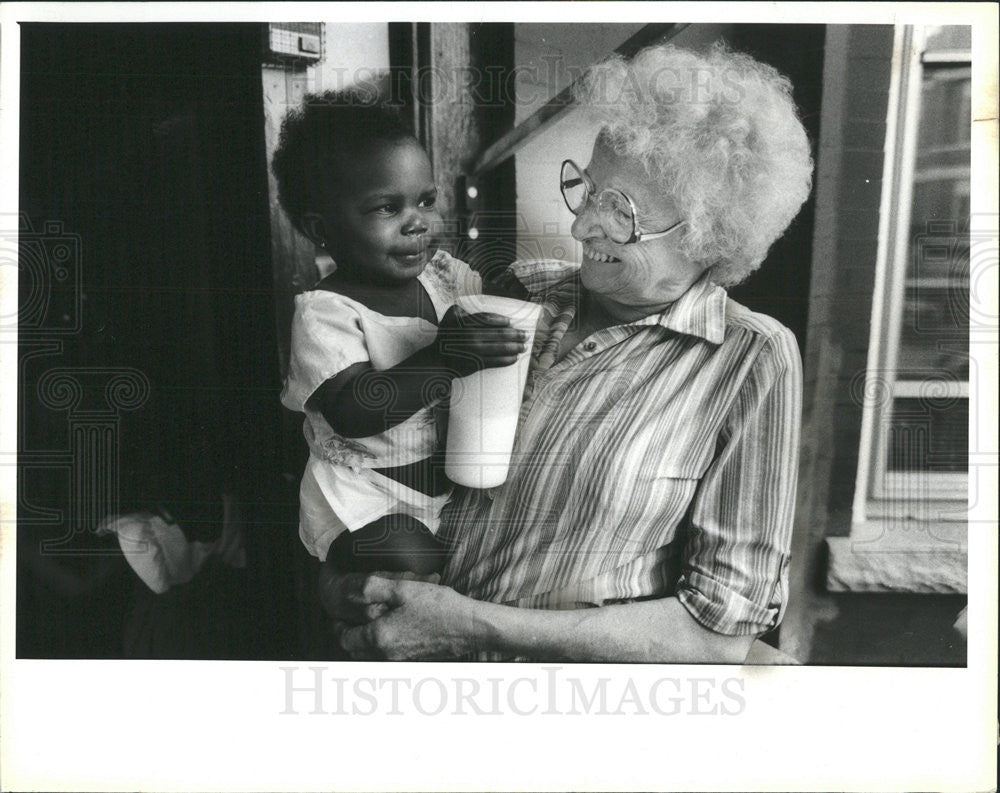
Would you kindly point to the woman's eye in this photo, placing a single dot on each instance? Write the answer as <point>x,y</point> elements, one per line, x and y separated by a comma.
<point>615,207</point>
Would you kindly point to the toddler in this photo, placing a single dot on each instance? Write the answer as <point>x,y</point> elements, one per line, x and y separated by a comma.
<point>375,344</point>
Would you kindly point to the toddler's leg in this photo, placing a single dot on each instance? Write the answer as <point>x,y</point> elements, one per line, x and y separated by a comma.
<point>394,543</point>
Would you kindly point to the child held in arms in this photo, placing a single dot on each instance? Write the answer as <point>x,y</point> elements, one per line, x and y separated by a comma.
<point>376,343</point>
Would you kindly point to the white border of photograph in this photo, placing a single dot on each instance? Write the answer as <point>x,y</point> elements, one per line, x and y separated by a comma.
<point>86,725</point>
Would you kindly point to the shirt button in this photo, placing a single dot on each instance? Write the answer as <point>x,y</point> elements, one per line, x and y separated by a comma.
<point>590,346</point>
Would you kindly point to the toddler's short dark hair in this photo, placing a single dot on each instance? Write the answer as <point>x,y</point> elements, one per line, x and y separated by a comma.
<point>318,134</point>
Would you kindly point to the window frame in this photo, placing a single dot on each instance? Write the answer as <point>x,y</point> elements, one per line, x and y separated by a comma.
<point>880,494</point>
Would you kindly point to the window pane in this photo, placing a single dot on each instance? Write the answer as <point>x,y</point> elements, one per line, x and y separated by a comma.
<point>929,434</point>
<point>949,38</point>
<point>941,209</point>
<point>934,339</point>
<point>945,117</point>
<point>939,213</point>
<point>934,332</point>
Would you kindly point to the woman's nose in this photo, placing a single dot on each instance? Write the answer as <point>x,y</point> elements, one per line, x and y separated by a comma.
<point>587,224</point>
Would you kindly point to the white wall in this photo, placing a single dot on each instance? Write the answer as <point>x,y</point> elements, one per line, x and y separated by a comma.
<point>548,58</point>
<point>352,51</point>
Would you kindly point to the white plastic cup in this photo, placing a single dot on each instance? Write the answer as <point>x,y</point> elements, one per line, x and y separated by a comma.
<point>485,405</point>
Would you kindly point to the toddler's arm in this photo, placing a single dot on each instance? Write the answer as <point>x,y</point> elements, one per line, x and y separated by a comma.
<point>361,401</point>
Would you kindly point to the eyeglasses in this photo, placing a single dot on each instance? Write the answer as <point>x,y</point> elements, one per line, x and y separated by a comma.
<point>616,210</point>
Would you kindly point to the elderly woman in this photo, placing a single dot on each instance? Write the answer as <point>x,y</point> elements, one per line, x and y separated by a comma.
<point>648,513</point>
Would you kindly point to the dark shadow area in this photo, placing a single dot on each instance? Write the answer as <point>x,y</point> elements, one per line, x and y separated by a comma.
<point>886,630</point>
<point>147,353</point>
<point>780,288</point>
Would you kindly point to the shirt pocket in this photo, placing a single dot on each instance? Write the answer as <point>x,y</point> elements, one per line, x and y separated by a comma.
<point>684,464</point>
<point>642,482</point>
<point>682,450</point>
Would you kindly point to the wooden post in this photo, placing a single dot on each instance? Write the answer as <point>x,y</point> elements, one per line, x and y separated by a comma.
<point>458,78</point>
<point>447,108</point>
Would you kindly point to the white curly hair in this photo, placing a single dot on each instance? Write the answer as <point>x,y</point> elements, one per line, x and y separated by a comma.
<point>720,132</point>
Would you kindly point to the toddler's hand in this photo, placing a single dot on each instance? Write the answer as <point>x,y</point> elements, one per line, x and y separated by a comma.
<point>470,342</point>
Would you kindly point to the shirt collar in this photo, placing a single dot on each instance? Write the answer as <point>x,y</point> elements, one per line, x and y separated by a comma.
<point>701,311</point>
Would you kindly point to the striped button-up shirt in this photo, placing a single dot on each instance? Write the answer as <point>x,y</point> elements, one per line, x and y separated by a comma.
<point>656,458</point>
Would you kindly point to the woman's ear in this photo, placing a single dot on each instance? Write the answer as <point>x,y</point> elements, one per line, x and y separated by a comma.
<point>315,228</point>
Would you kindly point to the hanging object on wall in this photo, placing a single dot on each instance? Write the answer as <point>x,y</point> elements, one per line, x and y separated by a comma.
<point>293,42</point>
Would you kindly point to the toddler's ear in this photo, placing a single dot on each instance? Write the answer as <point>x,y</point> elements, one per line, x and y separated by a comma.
<point>314,228</point>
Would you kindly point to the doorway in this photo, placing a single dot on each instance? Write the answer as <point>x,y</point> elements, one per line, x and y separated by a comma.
<point>142,149</point>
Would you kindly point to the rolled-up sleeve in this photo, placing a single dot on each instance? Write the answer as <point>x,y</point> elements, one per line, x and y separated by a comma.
<point>734,578</point>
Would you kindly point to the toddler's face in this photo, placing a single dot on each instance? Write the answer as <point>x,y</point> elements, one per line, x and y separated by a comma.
<point>377,222</point>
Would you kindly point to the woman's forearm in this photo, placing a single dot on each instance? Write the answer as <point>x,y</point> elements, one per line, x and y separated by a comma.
<point>660,631</point>
<point>405,620</point>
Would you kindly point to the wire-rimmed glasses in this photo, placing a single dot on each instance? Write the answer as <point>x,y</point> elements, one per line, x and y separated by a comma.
<point>616,210</point>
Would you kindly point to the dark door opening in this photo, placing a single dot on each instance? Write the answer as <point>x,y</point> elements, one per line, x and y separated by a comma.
<point>780,288</point>
<point>142,150</point>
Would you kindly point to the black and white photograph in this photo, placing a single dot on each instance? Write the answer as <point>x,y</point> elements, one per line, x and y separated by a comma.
<point>472,402</point>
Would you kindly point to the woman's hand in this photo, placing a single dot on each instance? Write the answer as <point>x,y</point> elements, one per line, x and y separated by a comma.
<point>395,616</point>
<point>381,618</point>
<point>345,597</point>
<point>470,342</point>
<point>418,620</point>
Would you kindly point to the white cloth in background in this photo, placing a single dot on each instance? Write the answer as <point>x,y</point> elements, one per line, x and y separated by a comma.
<point>162,556</point>
<point>962,623</point>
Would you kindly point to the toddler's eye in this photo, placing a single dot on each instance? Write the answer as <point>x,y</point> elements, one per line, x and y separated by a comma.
<point>429,202</point>
<point>384,209</point>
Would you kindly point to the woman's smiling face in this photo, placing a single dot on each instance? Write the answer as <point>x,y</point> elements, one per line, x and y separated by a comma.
<point>636,279</point>
<point>377,222</point>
